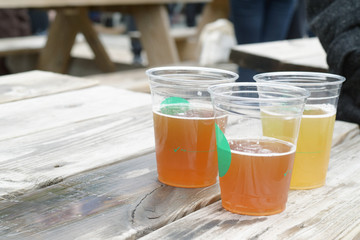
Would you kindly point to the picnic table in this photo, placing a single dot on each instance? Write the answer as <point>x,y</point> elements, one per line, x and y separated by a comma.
<point>151,18</point>
<point>304,54</point>
<point>77,161</point>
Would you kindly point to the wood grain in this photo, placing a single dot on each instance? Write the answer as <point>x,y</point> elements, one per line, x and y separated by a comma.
<point>125,201</point>
<point>32,84</point>
<point>329,212</point>
<point>47,157</point>
<point>80,165</point>
<point>125,198</point>
<point>38,114</point>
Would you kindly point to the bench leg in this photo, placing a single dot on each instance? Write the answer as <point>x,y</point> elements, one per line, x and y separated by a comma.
<point>55,56</point>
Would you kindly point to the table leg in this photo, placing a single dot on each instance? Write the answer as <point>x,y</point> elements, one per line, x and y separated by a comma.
<point>55,56</point>
<point>153,23</point>
<point>102,59</point>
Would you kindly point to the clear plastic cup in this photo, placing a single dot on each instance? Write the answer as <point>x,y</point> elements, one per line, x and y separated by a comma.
<point>184,124</point>
<point>317,124</point>
<point>256,158</point>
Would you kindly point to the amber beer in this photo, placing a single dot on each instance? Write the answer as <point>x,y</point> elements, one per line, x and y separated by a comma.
<point>186,149</point>
<point>258,179</point>
<point>184,125</point>
<point>255,169</point>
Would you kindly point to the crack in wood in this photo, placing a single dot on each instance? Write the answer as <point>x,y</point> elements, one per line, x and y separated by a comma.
<point>137,205</point>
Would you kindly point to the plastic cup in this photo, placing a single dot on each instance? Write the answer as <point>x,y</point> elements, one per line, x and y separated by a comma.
<point>255,160</point>
<point>317,124</point>
<point>184,124</point>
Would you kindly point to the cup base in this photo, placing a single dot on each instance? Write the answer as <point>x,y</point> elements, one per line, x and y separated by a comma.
<point>244,211</point>
<point>187,185</point>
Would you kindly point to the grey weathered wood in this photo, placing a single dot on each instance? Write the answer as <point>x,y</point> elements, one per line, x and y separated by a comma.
<point>304,54</point>
<point>38,114</point>
<point>38,83</point>
<point>134,80</point>
<point>329,212</point>
<point>343,131</point>
<point>70,169</point>
<point>125,200</point>
<point>47,157</point>
<point>121,201</point>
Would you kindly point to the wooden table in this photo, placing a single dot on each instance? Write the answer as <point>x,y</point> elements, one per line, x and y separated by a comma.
<point>77,162</point>
<point>151,18</point>
<point>304,54</point>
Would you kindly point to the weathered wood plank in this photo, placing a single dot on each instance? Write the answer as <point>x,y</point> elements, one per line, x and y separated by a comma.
<point>134,80</point>
<point>343,131</point>
<point>47,112</point>
<point>47,157</point>
<point>304,54</point>
<point>38,83</point>
<point>129,202</point>
<point>122,201</point>
<point>329,212</point>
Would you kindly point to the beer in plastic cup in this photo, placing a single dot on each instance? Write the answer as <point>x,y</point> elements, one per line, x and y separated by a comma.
<point>317,124</point>
<point>255,169</point>
<point>184,124</point>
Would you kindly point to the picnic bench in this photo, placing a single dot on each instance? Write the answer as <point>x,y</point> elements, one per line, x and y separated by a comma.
<point>305,54</point>
<point>72,17</point>
<point>77,161</point>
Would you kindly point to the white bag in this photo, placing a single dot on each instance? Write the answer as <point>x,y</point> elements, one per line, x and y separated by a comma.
<point>216,40</point>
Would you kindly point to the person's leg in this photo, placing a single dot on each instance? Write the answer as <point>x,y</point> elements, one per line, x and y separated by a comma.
<point>39,21</point>
<point>190,14</point>
<point>277,19</point>
<point>298,23</point>
<point>247,17</point>
<point>136,47</point>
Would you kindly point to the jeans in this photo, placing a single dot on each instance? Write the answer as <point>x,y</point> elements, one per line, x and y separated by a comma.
<point>260,21</point>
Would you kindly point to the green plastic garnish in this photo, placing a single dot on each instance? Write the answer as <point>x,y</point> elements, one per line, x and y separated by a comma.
<point>223,151</point>
<point>174,106</point>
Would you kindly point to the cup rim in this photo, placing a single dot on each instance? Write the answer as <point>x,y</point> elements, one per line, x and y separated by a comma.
<point>150,72</point>
<point>304,94</point>
<point>337,79</point>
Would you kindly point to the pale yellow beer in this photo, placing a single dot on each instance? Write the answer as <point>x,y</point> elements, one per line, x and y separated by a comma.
<point>317,123</point>
<point>313,144</point>
<point>313,147</point>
